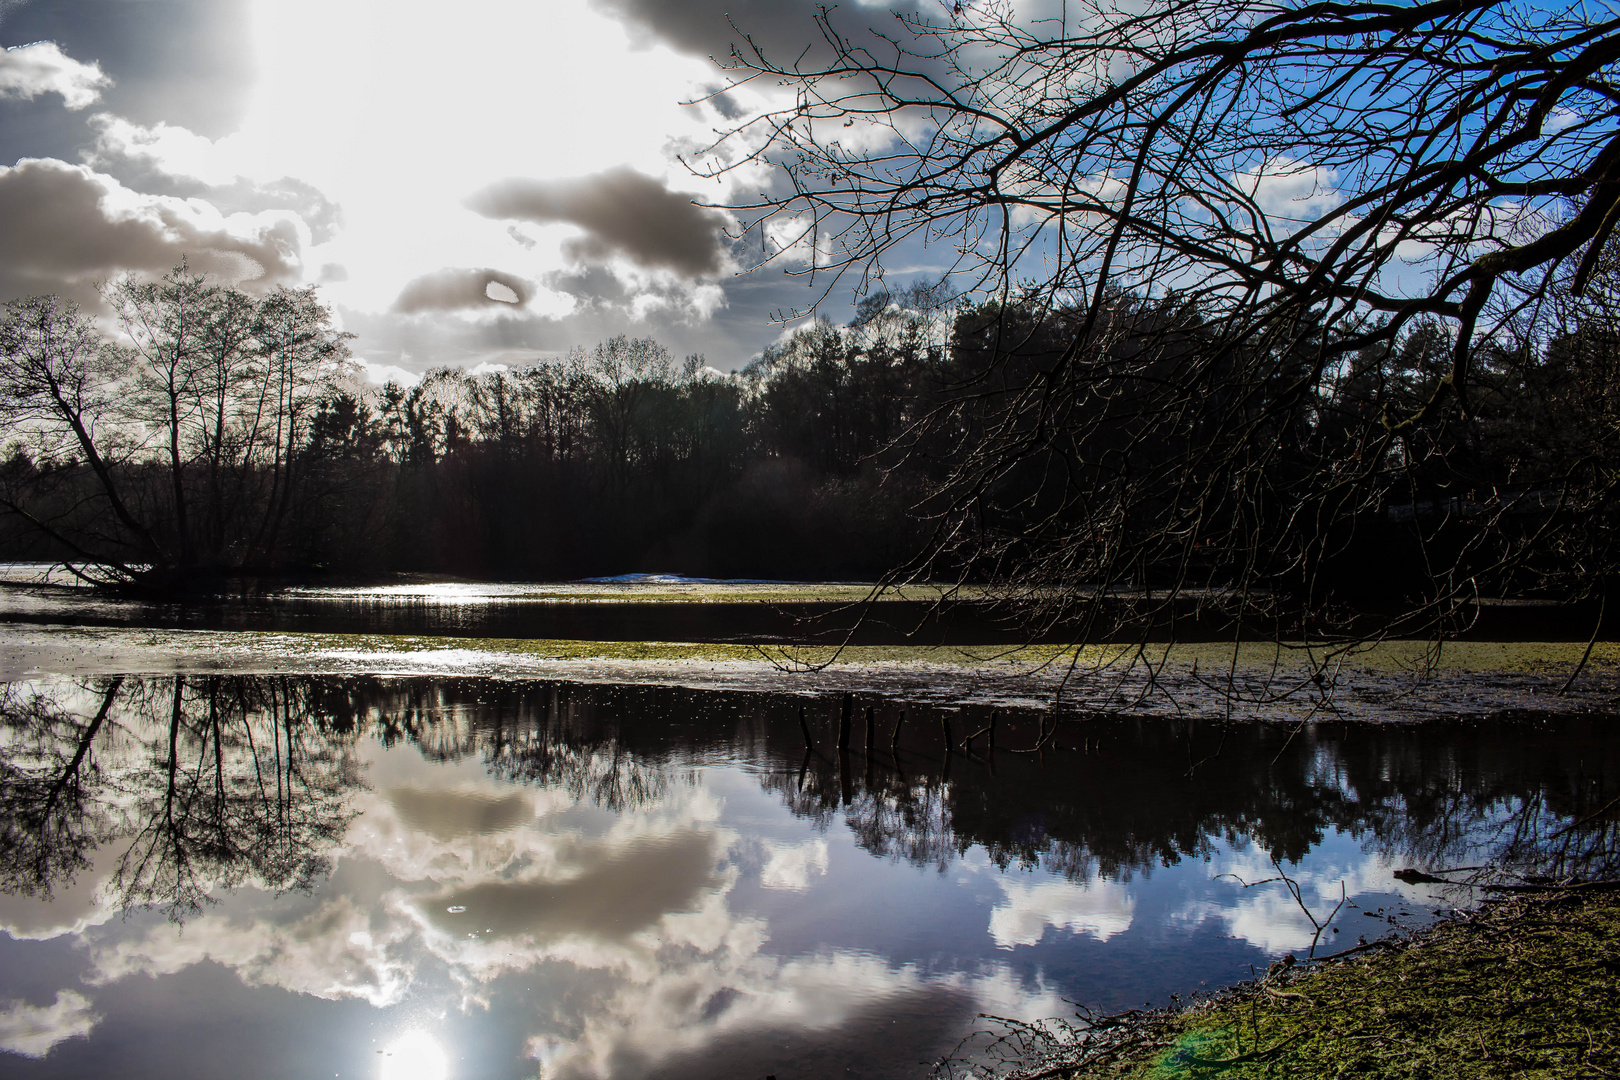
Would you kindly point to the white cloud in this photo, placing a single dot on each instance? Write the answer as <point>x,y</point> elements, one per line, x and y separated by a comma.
<point>789,866</point>
<point>168,148</point>
<point>1559,119</point>
<point>796,240</point>
<point>378,374</point>
<point>1269,917</point>
<point>1044,197</point>
<point>27,71</point>
<point>334,951</point>
<point>1099,909</point>
<point>32,1032</point>
<point>682,1008</point>
<point>1290,190</point>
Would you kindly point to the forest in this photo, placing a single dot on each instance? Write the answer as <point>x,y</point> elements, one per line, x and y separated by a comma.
<point>209,433</point>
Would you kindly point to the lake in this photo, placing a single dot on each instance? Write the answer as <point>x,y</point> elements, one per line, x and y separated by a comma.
<point>437,876</point>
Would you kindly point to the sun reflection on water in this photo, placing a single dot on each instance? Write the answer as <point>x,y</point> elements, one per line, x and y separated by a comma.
<point>414,1056</point>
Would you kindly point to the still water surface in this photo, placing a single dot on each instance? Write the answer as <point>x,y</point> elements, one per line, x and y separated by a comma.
<point>432,878</point>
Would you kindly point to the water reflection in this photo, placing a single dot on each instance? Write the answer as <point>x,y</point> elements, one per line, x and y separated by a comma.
<point>624,881</point>
<point>682,610</point>
<point>199,785</point>
<point>415,1056</point>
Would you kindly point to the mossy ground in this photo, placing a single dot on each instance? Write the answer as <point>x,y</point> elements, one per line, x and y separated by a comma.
<point>1528,987</point>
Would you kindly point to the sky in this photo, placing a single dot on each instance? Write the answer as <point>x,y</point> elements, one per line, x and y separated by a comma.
<point>489,182</point>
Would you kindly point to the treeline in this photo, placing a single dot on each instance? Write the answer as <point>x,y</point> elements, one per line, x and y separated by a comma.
<point>615,460</point>
<point>1067,453</point>
<point>1141,448</point>
<point>220,434</point>
<point>182,445</point>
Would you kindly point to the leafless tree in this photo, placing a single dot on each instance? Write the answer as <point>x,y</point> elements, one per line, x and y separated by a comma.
<point>1253,284</point>
<point>58,393</point>
<point>170,447</point>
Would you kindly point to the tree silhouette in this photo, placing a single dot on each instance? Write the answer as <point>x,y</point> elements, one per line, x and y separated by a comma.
<point>1293,254</point>
<point>172,452</point>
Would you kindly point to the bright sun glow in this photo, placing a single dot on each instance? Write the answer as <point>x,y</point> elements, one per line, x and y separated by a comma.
<point>399,111</point>
<point>415,1056</point>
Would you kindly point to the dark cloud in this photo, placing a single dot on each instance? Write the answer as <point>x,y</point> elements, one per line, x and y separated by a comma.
<point>590,286</point>
<point>724,104</point>
<point>522,335</point>
<point>461,290</point>
<point>523,240</point>
<point>622,212</point>
<point>58,234</point>
<point>451,815</point>
<point>609,897</point>
<point>784,30</point>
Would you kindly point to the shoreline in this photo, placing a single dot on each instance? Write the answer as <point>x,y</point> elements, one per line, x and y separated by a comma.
<point>1526,985</point>
<point>1392,682</point>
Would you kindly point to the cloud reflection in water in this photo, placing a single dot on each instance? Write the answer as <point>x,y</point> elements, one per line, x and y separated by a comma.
<point>568,877</point>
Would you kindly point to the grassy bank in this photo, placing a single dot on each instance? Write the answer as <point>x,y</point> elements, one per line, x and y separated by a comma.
<point>1527,987</point>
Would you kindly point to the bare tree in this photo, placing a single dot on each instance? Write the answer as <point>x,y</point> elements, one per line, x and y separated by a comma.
<point>170,449</point>
<point>53,797</point>
<point>625,371</point>
<point>165,324</point>
<point>59,398</point>
<point>300,357</point>
<point>1251,279</point>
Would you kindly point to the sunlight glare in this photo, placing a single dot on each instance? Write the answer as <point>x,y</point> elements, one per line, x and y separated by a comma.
<point>415,1056</point>
<point>385,106</point>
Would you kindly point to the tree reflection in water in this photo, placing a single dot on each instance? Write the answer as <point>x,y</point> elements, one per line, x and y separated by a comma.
<point>50,791</point>
<point>1526,796</point>
<point>201,784</point>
